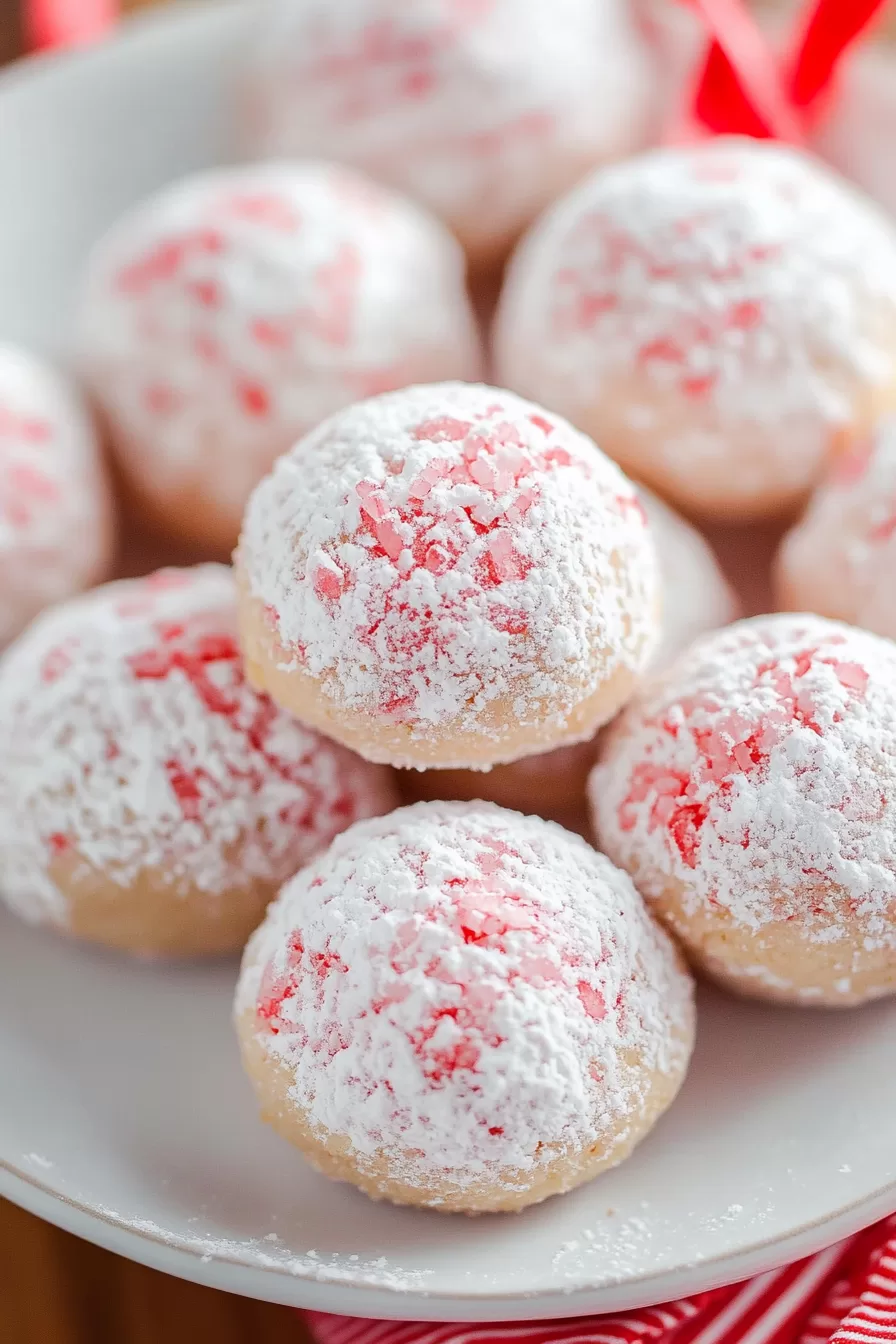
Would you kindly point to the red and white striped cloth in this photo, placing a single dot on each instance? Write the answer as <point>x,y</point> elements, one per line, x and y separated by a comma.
<point>844,1295</point>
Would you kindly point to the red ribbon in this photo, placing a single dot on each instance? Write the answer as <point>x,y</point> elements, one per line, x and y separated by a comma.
<point>829,29</point>
<point>745,90</point>
<point>67,23</point>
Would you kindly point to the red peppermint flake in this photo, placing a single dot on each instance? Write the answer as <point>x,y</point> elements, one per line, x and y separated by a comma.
<point>185,785</point>
<point>745,315</point>
<point>266,208</point>
<point>590,307</point>
<point>389,538</point>
<point>254,398</point>
<point>508,621</point>
<point>418,83</point>
<point>438,558</point>
<point>205,292</point>
<point>633,504</point>
<point>161,398</point>
<point>192,658</point>
<point>56,663</point>
<point>29,429</point>
<point>662,349</point>
<point>445,428</point>
<point>329,581</point>
<point>592,1001</point>
<point>684,826</point>
<point>883,530</point>
<point>275,334</point>
<point>505,563</point>
<point>32,483</point>
<point>324,963</point>
<point>699,387</point>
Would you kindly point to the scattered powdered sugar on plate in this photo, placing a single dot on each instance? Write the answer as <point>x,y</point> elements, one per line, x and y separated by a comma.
<point>55,526</point>
<point>759,768</point>
<point>229,314</point>
<point>434,551</point>
<point>131,741</point>
<point>36,1160</point>
<point>729,286</point>
<point>464,993</point>
<point>265,1253</point>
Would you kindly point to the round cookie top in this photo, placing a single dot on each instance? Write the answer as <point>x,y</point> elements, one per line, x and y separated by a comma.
<point>441,554</point>
<point>132,742</point>
<point>235,309</point>
<point>734,285</point>
<point>467,990</point>
<point>758,776</point>
<point>472,106</point>
<point>54,524</point>
<point>842,553</point>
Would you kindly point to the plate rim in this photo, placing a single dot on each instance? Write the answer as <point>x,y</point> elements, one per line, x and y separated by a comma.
<point>384,1302</point>
<point>130,27</point>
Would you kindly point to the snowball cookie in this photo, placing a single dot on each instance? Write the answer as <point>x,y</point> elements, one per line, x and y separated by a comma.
<point>840,560</point>
<point>446,576</point>
<point>721,317</point>
<point>750,791</point>
<point>696,597</point>
<point>484,110</point>
<point>149,798</point>
<point>228,315</point>
<point>463,1008</point>
<point>55,514</point>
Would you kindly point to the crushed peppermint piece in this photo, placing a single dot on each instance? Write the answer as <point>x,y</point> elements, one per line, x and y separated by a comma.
<point>451,559</point>
<point>132,742</point>
<point>55,518</point>
<point>840,559</point>
<point>756,779</point>
<point>230,313</point>
<point>716,315</point>
<point>461,994</point>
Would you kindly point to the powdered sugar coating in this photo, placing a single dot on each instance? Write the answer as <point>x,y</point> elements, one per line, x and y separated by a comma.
<point>714,314</point>
<point>55,525</point>
<point>758,777</point>
<point>233,311</point>
<point>840,559</point>
<point>482,109</point>
<point>457,991</point>
<point>131,741</point>
<point>449,558</point>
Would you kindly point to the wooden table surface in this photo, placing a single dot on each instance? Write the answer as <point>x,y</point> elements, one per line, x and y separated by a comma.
<point>55,1289</point>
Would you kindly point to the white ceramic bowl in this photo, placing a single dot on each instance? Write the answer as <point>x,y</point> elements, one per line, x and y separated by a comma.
<point>124,1114</point>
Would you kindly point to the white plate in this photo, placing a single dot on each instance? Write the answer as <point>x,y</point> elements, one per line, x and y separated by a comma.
<point>124,1115</point>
